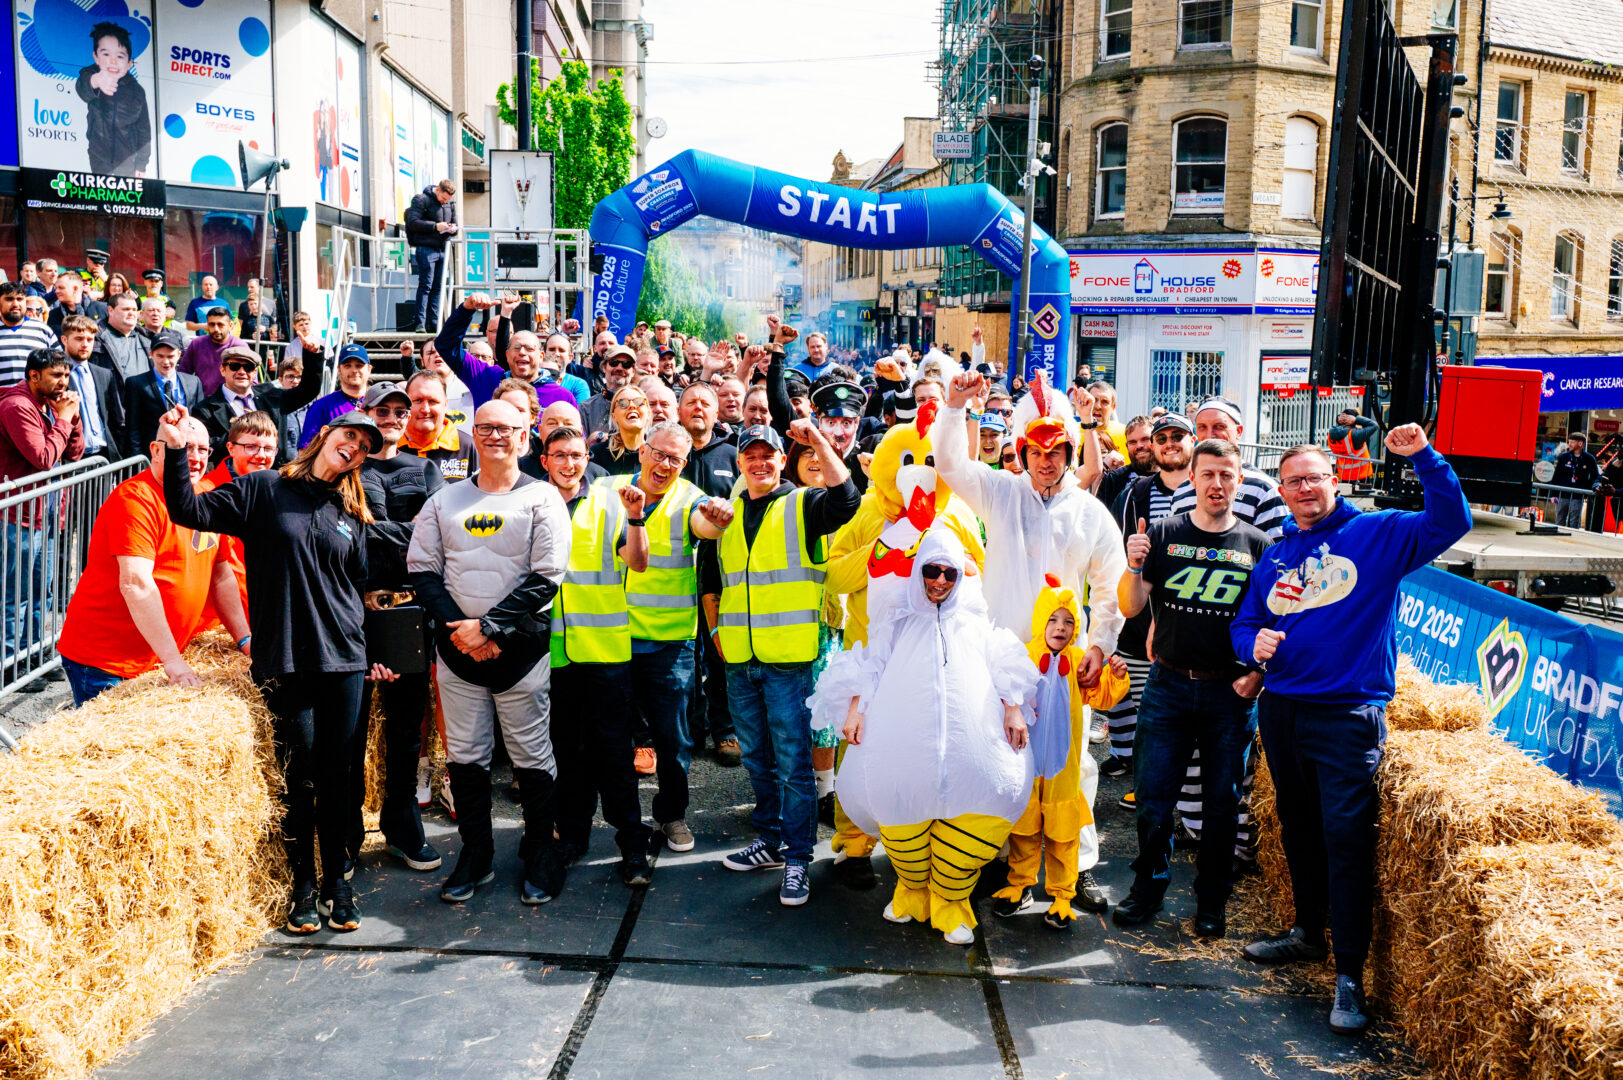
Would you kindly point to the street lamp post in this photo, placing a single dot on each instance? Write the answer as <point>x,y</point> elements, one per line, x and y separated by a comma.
<point>1035,66</point>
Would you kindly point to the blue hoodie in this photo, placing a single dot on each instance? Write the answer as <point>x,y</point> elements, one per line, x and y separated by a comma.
<point>1333,591</point>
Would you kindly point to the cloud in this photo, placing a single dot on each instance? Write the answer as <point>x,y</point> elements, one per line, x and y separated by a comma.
<point>788,113</point>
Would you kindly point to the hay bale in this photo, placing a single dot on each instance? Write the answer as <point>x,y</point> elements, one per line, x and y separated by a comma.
<point>139,851</point>
<point>1531,981</point>
<point>1423,705</point>
<point>1272,892</point>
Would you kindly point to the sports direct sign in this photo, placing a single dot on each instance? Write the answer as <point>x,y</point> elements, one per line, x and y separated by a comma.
<point>1194,282</point>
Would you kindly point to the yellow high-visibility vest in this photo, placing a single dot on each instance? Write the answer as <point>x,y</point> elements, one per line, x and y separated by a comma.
<point>772,589</point>
<point>664,599</point>
<point>590,621</point>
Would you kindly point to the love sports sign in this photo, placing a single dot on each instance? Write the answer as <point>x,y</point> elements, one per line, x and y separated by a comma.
<point>1554,687</point>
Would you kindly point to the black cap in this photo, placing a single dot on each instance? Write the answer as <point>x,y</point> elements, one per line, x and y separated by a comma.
<point>759,433</point>
<point>360,422</point>
<point>1172,420</point>
<point>152,275</point>
<point>97,254</point>
<point>838,399</point>
<point>903,404</point>
<point>378,393</point>
<point>170,338</point>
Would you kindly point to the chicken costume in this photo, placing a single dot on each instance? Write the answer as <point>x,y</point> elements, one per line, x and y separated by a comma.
<point>905,498</point>
<point>934,773</point>
<point>1058,810</point>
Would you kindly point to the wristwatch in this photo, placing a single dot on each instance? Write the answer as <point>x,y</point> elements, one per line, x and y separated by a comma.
<point>636,522</point>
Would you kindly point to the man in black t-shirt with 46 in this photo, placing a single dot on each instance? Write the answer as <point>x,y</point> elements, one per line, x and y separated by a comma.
<point>1192,570</point>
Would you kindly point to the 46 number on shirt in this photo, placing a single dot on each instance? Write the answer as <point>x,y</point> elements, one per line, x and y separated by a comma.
<point>1210,584</point>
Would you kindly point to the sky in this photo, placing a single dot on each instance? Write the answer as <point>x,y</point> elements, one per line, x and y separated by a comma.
<point>774,82</point>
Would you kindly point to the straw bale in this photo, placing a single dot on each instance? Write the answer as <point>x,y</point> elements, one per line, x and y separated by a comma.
<point>139,851</point>
<point>1423,705</point>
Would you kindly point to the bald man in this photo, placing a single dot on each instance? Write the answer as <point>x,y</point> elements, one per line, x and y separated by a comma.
<point>481,376</point>
<point>560,414</point>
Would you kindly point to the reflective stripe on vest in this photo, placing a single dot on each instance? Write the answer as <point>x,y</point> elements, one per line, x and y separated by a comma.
<point>590,621</point>
<point>664,598</point>
<point>1346,470</point>
<point>772,590</point>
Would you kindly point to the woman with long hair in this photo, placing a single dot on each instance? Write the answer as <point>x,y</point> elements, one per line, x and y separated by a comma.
<point>629,414</point>
<point>116,283</point>
<point>303,529</point>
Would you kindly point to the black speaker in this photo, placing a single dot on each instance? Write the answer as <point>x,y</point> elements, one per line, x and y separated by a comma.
<point>405,314</point>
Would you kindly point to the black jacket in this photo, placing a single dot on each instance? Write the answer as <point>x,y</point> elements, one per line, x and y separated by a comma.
<point>421,216</point>
<point>269,398</point>
<point>125,355</point>
<point>110,410</point>
<point>1579,470</point>
<point>396,489</point>
<point>144,405</point>
<point>118,131</point>
<point>90,309</point>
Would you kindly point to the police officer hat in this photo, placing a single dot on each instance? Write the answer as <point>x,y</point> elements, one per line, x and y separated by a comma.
<point>838,399</point>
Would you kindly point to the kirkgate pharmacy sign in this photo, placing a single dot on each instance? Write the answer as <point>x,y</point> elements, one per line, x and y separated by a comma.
<point>93,193</point>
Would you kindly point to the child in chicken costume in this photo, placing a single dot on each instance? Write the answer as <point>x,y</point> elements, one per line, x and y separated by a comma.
<point>937,762</point>
<point>1058,810</point>
<point>875,550</point>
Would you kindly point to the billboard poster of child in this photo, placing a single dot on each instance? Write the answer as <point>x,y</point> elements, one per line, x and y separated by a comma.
<point>83,81</point>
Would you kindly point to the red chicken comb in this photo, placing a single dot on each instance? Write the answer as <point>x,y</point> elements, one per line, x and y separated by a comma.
<point>1053,581</point>
<point>925,417</point>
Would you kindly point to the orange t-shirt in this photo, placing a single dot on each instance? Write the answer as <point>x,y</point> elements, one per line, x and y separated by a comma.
<point>98,631</point>
<point>220,476</point>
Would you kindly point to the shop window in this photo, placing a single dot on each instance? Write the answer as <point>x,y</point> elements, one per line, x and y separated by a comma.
<point>224,243</point>
<point>1115,29</point>
<point>1575,134</point>
<point>1111,186</point>
<point>1199,165</point>
<point>1614,282</point>
<point>1445,14</point>
<point>1498,284</point>
<point>1204,24</point>
<point>132,243</point>
<point>1307,19</point>
<point>1301,169</point>
<point>1564,280</point>
<point>1178,378</point>
<point>1507,132</point>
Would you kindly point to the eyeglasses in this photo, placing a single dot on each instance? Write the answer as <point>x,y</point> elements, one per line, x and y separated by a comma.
<point>631,403</point>
<point>240,365</point>
<point>1297,483</point>
<point>1003,412</point>
<point>568,457</point>
<point>662,458</point>
<point>197,450</point>
<point>500,431</point>
<point>400,414</point>
<point>257,449</point>
<point>931,572</point>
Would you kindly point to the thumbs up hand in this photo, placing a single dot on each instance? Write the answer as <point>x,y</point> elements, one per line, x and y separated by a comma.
<point>1138,547</point>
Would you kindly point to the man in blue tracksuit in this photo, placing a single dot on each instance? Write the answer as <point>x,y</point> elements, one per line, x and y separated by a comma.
<point>1320,618</point>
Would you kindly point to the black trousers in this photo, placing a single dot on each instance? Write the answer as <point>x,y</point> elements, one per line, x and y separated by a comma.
<point>592,717</point>
<point>404,703</point>
<point>708,714</point>
<point>314,729</point>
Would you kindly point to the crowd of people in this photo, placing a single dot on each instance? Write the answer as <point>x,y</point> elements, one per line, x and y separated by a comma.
<point>904,600</point>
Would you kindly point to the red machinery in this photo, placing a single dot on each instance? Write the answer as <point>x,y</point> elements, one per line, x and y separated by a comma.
<point>1487,426</point>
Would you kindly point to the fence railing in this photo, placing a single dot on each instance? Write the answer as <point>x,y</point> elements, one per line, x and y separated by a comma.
<point>47,519</point>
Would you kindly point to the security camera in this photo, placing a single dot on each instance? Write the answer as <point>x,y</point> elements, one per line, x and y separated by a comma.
<point>1035,65</point>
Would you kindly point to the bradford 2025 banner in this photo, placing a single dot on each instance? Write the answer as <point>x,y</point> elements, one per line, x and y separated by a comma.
<point>1553,686</point>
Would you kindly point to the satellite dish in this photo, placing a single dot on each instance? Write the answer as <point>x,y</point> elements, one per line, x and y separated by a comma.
<point>655,126</point>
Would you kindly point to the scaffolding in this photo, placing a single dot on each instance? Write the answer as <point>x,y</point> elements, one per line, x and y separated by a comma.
<point>984,88</point>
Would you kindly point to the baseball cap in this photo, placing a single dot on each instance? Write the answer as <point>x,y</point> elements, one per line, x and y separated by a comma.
<point>838,399</point>
<point>170,338</point>
<point>992,422</point>
<point>353,354</point>
<point>378,393</point>
<point>759,433</point>
<point>1171,420</point>
<point>620,350</point>
<point>360,422</point>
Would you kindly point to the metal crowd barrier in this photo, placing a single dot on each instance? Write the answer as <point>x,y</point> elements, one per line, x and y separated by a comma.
<point>47,519</point>
<point>1589,511</point>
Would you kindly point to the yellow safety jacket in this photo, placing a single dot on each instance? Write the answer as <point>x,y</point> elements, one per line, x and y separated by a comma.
<point>664,599</point>
<point>772,589</point>
<point>590,621</point>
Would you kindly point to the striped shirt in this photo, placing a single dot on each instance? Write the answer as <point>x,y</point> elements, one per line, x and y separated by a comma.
<point>1256,501</point>
<point>16,342</point>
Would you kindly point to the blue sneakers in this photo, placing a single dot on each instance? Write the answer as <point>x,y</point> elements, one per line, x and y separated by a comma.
<point>796,889</point>
<point>758,856</point>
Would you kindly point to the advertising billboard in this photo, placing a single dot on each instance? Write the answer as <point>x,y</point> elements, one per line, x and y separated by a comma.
<point>85,85</point>
<point>335,123</point>
<point>1197,282</point>
<point>214,86</point>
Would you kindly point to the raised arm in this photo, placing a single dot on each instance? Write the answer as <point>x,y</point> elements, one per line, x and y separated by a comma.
<point>969,479</point>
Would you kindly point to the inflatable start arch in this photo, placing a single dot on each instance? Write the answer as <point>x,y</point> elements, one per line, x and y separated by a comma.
<point>693,183</point>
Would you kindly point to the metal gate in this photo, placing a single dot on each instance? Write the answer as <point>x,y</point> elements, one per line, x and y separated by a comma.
<point>1283,422</point>
<point>1180,378</point>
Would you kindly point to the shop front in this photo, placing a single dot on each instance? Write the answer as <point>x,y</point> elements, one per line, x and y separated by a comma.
<point>1582,395</point>
<point>1169,326</point>
<point>851,325</point>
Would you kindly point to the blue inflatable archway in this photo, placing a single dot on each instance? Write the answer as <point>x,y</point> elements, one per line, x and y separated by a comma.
<point>693,183</point>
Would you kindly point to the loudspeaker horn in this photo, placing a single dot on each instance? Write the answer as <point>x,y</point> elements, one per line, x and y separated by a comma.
<point>256,165</point>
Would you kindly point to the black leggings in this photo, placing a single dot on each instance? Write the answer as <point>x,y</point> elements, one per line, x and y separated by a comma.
<point>315,727</point>
<point>405,703</point>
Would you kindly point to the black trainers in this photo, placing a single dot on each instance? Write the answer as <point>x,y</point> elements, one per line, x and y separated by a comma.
<point>635,871</point>
<point>1287,948</point>
<point>825,810</point>
<point>1055,919</point>
<point>544,877</point>
<point>1347,1016</point>
<point>472,870</point>
<point>1007,909</point>
<point>349,869</point>
<point>1136,910</point>
<point>1089,897</point>
<point>1115,766</point>
<point>303,916</point>
<point>855,871</point>
<point>338,904</point>
<point>1211,925</point>
<point>424,858</point>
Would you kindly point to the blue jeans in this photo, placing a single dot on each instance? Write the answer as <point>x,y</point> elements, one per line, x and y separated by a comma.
<point>661,683</point>
<point>27,590</point>
<point>430,264</point>
<point>768,703</point>
<point>87,682</point>
<point>1175,716</point>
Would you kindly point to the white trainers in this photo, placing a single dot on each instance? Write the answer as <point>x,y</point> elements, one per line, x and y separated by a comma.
<point>425,774</point>
<point>962,935</point>
<point>891,916</point>
<point>442,792</point>
<point>1098,732</point>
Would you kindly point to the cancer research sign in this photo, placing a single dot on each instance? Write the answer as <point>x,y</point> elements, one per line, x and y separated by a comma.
<point>1554,687</point>
<point>1212,281</point>
<point>1571,383</point>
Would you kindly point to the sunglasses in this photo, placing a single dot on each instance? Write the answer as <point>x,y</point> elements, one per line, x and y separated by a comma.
<point>240,365</point>
<point>621,363</point>
<point>931,572</point>
<point>398,414</point>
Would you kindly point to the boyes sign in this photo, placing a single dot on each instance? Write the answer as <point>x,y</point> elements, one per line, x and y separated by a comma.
<point>976,216</point>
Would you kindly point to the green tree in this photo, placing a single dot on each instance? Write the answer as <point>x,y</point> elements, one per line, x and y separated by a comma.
<point>671,290</point>
<point>589,129</point>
